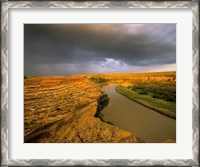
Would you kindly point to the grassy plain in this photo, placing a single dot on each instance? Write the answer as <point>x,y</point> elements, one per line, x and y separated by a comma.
<point>165,90</point>
<point>160,105</point>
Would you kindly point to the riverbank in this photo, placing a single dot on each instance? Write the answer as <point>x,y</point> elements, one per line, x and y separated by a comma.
<point>161,106</point>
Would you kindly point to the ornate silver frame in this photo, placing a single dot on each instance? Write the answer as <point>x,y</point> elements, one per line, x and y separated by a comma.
<point>5,161</point>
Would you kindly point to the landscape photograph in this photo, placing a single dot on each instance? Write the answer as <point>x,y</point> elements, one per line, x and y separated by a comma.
<point>100,83</point>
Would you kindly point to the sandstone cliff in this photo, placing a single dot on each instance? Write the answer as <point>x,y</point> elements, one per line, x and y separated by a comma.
<point>61,109</point>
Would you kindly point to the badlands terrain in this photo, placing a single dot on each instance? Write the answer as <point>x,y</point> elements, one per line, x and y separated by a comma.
<point>59,109</point>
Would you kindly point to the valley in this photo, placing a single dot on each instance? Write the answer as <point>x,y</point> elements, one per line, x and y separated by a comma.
<point>63,109</point>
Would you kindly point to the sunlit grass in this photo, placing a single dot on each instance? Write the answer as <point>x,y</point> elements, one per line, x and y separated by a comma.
<point>162,106</point>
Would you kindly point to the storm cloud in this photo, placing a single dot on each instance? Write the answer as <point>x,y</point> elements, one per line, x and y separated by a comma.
<point>66,49</point>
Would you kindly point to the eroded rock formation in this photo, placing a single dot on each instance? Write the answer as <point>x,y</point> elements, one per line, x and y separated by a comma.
<point>60,109</point>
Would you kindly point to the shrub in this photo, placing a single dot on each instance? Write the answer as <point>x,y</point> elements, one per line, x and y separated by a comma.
<point>137,87</point>
<point>157,96</point>
<point>98,80</point>
<point>143,92</point>
<point>170,98</point>
<point>102,103</point>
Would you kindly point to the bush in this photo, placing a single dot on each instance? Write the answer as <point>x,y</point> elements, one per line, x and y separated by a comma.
<point>137,87</point>
<point>157,96</point>
<point>102,103</point>
<point>170,98</point>
<point>143,92</point>
<point>164,90</point>
<point>98,80</point>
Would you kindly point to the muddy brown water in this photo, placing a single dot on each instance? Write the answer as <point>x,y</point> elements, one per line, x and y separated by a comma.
<point>149,125</point>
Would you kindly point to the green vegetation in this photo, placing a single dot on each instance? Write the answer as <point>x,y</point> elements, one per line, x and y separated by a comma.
<point>161,90</point>
<point>102,103</point>
<point>103,119</point>
<point>144,97</point>
<point>98,80</point>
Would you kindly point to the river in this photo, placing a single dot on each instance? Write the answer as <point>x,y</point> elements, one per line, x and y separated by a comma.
<point>145,123</point>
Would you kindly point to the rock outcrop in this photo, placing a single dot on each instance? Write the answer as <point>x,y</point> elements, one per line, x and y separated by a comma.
<point>59,109</point>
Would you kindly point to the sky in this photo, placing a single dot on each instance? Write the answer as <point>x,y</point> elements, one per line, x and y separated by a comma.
<point>68,49</point>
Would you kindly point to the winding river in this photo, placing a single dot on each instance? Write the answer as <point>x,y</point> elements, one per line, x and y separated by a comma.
<point>149,125</point>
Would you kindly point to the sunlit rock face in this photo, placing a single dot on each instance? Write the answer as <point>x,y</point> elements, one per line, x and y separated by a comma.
<point>59,109</point>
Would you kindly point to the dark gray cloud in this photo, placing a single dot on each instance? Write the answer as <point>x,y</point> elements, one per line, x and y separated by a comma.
<point>92,46</point>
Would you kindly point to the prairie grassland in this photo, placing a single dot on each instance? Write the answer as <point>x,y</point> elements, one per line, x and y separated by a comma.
<point>160,105</point>
<point>164,90</point>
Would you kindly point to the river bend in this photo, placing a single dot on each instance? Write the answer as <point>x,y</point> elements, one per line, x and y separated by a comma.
<point>145,123</point>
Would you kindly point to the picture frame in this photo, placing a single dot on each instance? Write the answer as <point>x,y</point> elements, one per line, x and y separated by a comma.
<point>5,147</point>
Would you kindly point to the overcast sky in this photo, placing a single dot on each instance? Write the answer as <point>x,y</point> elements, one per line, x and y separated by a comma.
<point>67,49</point>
